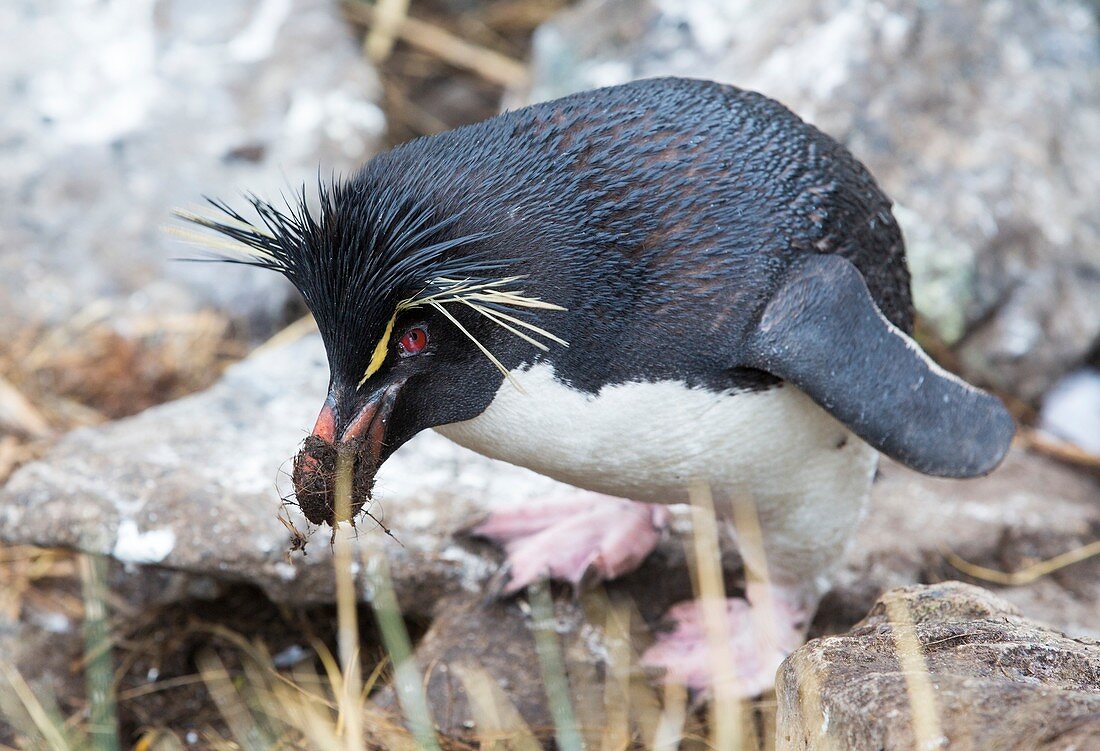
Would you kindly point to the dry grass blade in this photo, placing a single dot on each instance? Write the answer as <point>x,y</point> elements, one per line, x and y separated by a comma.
<point>291,333</point>
<point>1026,575</point>
<point>499,724</point>
<point>616,699</point>
<point>233,708</point>
<point>99,663</point>
<point>394,634</point>
<point>18,415</point>
<point>164,684</point>
<point>750,537</point>
<point>647,711</point>
<point>158,740</point>
<point>311,720</point>
<point>347,616</point>
<point>39,721</point>
<point>670,726</point>
<point>443,45</point>
<point>1063,451</point>
<point>918,681</point>
<point>706,559</point>
<point>22,567</point>
<point>554,678</point>
<point>9,457</point>
<point>388,15</point>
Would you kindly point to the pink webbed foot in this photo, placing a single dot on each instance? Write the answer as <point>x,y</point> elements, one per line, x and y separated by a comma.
<point>593,536</point>
<point>754,641</point>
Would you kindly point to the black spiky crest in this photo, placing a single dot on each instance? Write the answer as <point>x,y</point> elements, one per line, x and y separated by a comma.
<point>362,257</point>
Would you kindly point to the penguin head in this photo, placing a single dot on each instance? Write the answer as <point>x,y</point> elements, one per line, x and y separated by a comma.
<point>421,319</point>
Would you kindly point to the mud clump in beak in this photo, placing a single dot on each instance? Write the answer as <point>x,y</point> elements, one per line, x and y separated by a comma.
<point>319,469</point>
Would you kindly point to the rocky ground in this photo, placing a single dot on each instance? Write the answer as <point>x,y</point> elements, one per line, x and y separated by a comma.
<point>183,495</point>
<point>974,673</point>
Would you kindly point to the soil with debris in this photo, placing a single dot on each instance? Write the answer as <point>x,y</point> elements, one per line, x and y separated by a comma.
<point>315,481</point>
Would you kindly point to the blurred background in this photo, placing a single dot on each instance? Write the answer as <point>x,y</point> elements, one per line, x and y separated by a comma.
<point>980,118</point>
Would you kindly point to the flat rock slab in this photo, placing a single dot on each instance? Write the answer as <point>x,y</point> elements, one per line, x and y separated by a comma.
<point>195,485</point>
<point>985,678</point>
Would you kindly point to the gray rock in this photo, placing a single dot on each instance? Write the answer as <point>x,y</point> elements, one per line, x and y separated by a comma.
<point>996,680</point>
<point>982,120</point>
<point>117,113</point>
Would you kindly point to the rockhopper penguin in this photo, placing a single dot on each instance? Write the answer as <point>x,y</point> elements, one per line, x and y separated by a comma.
<point>630,290</point>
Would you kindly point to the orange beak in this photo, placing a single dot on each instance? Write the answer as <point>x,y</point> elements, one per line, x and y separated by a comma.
<point>369,424</point>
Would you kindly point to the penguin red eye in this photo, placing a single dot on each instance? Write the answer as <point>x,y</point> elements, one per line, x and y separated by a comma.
<point>413,341</point>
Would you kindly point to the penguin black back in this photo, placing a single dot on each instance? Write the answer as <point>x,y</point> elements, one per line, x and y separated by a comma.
<point>642,208</point>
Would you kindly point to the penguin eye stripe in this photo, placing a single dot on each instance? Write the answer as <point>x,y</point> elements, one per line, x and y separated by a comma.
<point>380,349</point>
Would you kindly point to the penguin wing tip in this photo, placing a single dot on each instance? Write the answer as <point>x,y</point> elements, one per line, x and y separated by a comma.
<point>981,452</point>
<point>999,437</point>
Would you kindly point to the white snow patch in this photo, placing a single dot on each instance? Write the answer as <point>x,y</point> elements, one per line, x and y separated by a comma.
<point>1071,410</point>
<point>285,571</point>
<point>135,546</point>
<point>54,623</point>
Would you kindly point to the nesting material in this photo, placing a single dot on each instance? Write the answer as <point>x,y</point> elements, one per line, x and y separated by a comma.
<point>332,483</point>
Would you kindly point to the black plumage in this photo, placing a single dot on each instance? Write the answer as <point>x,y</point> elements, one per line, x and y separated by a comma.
<point>354,256</point>
<point>647,208</point>
<point>663,215</point>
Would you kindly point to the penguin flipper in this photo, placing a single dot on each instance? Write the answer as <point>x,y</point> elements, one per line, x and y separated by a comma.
<point>823,332</point>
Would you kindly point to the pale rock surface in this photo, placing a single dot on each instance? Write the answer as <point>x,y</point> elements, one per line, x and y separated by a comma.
<point>116,113</point>
<point>195,485</point>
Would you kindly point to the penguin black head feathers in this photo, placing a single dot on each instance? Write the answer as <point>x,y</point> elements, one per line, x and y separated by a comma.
<point>361,259</point>
<point>397,290</point>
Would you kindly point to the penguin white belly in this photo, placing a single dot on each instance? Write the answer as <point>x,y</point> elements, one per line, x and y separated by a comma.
<point>649,441</point>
